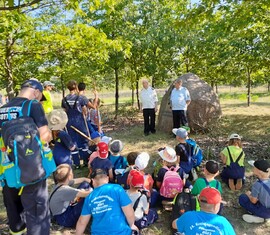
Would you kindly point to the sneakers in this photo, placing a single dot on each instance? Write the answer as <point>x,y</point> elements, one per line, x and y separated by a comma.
<point>252,219</point>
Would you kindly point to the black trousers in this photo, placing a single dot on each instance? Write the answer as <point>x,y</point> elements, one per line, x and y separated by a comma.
<point>149,117</point>
<point>179,118</point>
<point>28,210</point>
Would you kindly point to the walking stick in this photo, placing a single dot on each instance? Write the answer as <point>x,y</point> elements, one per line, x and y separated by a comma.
<point>82,134</point>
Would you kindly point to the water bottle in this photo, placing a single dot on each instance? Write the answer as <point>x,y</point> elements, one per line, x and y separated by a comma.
<point>47,151</point>
<point>5,156</point>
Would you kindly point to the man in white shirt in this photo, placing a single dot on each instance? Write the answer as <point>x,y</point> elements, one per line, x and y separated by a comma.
<point>180,99</point>
<point>149,103</point>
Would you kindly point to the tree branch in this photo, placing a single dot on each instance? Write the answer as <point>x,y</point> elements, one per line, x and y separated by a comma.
<point>19,6</point>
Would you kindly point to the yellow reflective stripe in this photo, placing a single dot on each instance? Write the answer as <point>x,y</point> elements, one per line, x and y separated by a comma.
<point>20,192</point>
<point>18,233</point>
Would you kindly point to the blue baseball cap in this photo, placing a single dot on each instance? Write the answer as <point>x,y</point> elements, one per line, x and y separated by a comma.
<point>32,84</point>
<point>180,132</point>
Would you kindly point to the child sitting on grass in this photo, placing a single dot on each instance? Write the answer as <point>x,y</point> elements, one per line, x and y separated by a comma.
<point>170,179</point>
<point>118,161</point>
<point>143,215</point>
<point>65,201</point>
<point>232,157</point>
<point>257,202</point>
<point>183,151</point>
<point>210,172</point>
<point>141,163</point>
<point>102,161</point>
<point>122,178</point>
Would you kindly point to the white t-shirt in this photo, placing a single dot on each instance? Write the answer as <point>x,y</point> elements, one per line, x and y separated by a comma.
<point>148,98</point>
<point>179,98</point>
<point>142,205</point>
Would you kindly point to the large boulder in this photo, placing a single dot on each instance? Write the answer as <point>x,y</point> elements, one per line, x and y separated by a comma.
<point>203,110</point>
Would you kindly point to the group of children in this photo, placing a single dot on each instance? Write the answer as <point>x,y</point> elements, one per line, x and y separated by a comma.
<point>174,171</point>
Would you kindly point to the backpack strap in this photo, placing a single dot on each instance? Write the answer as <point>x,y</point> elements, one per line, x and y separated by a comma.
<point>65,99</point>
<point>206,182</point>
<point>26,108</point>
<point>265,186</point>
<point>137,202</point>
<point>59,186</point>
<point>187,152</point>
<point>24,111</point>
<point>175,168</point>
<point>208,185</point>
<point>217,184</point>
<point>238,158</point>
<point>119,159</point>
<point>230,156</point>
<point>75,103</point>
<point>172,168</point>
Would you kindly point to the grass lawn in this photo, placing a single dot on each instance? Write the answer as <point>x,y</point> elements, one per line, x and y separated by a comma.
<point>253,123</point>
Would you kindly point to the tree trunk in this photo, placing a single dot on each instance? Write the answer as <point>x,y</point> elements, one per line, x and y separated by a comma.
<point>137,92</point>
<point>153,81</point>
<point>216,88</point>
<point>8,69</point>
<point>268,87</point>
<point>212,84</point>
<point>187,65</point>
<point>132,95</point>
<point>249,87</point>
<point>116,92</point>
<point>62,85</point>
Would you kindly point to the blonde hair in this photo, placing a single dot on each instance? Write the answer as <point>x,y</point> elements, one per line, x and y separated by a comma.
<point>235,142</point>
<point>62,173</point>
<point>169,164</point>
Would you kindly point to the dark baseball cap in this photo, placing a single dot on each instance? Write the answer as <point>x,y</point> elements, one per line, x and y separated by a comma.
<point>262,165</point>
<point>32,84</point>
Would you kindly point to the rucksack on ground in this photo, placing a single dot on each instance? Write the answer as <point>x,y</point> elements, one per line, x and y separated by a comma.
<point>172,183</point>
<point>182,203</point>
<point>197,155</point>
<point>24,160</point>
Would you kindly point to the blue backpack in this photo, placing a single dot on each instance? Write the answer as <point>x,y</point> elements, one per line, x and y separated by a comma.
<point>196,155</point>
<point>24,160</point>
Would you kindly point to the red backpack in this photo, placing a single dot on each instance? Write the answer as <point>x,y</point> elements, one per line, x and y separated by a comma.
<point>172,183</point>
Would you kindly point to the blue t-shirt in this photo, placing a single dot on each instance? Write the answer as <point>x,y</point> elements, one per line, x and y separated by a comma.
<point>259,192</point>
<point>200,223</point>
<point>118,164</point>
<point>105,204</point>
<point>61,150</point>
<point>179,98</point>
<point>100,163</point>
